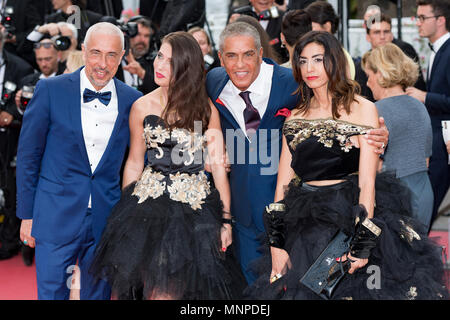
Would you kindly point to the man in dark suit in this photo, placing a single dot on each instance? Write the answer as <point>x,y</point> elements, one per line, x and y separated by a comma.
<point>136,68</point>
<point>12,70</point>
<point>24,18</point>
<point>378,33</point>
<point>181,15</point>
<point>112,8</point>
<point>253,96</point>
<point>72,143</point>
<point>434,23</point>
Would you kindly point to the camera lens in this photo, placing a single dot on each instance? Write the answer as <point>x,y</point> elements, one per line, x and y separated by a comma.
<point>61,42</point>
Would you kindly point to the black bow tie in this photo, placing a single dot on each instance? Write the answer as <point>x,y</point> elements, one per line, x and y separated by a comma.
<point>103,97</point>
<point>431,46</point>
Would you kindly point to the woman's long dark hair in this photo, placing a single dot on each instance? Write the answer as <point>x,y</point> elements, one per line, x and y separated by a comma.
<point>187,98</point>
<point>340,87</point>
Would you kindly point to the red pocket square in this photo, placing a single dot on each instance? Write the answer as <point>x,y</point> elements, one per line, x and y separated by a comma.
<point>285,112</point>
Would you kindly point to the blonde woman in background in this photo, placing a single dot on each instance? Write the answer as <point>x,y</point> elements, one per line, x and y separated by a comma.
<point>74,61</point>
<point>389,73</point>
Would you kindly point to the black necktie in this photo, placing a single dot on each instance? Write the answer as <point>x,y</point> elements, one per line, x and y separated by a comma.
<point>103,97</point>
<point>251,115</point>
<point>431,46</point>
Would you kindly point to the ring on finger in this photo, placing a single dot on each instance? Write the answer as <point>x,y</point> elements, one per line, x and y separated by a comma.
<point>275,277</point>
<point>25,242</point>
<point>383,145</point>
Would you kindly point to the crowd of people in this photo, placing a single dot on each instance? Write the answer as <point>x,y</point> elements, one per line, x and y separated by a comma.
<point>163,167</point>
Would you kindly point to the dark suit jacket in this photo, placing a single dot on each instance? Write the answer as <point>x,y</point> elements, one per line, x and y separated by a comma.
<point>274,31</point>
<point>252,179</point>
<point>99,6</point>
<point>179,15</point>
<point>15,69</point>
<point>438,99</point>
<point>24,19</point>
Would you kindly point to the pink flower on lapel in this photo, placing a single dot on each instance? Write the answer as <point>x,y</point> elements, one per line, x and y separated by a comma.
<point>285,112</point>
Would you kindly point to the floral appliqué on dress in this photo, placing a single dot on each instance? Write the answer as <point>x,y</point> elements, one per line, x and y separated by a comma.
<point>327,130</point>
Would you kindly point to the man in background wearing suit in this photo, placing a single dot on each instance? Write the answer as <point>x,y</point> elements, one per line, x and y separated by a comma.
<point>434,23</point>
<point>12,70</point>
<point>72,143</point>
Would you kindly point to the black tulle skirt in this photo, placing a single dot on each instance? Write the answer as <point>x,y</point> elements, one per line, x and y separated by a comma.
<point>163,249</point>
<point>404,265</point>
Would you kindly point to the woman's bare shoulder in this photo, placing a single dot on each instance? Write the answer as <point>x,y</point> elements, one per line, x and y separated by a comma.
<point>364,112</point>
<point>148,104</point>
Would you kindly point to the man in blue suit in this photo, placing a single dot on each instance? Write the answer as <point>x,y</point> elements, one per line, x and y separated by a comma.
<point>72,143</point>
<point>253,96</point>
<point>434,23</point>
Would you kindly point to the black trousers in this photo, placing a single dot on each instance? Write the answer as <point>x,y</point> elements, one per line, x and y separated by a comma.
<point>10,227</point>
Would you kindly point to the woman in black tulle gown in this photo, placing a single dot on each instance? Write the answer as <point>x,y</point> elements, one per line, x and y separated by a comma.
<point>328,181</point>
<point>168,235</point>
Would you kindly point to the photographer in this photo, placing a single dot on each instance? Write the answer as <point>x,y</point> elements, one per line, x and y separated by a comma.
<point>270,19</point>
<point>66,12</point>
<point>19,17</point>
<point>136,68</point>
<point>12,70</point>
<point>47,60</point>
<point>64,36</point>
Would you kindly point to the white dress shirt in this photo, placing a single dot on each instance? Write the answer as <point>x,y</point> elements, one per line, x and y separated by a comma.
<point>259,95</point>
<point>42,76</point>
<point>97,121</point>
<point>436,46</point>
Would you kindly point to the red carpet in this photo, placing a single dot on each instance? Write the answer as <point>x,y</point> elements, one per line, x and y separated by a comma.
<point>18,282</point>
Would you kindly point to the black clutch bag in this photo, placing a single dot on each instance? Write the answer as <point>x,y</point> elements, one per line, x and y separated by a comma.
<point>325,273</point>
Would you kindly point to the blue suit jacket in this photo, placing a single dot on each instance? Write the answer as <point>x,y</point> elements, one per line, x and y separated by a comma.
<point>438,99</point>
<point>54,178</point>
<point>254,165</point>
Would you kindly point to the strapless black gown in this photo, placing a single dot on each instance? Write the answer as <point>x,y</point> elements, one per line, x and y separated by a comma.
<point>162,238</point>
<point>404,265</point>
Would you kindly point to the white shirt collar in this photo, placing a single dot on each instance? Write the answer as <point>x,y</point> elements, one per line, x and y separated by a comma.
<point>42,76</point>
<point>439,42</point>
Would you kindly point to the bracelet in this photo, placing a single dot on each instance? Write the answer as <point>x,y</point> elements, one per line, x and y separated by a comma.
<point>229,221</point>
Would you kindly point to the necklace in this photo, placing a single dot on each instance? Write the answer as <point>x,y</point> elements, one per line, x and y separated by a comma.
<point>161,102</point>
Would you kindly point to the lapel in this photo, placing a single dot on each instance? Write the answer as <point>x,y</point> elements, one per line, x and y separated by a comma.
<point>274,99</point>
<point>436,61</point>
<point>223,110</point>
<point>75,113</point>
<point>117,125</point>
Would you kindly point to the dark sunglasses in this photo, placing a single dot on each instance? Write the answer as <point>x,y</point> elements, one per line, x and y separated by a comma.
<point>46,45</point>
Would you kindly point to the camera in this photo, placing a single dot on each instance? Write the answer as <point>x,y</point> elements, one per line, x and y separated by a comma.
<point>129,29</point>
<point>8,89</point>
<point>6,21</point>
<point>27,94</point>
<point>263,15</point>
<point>62,43</point>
